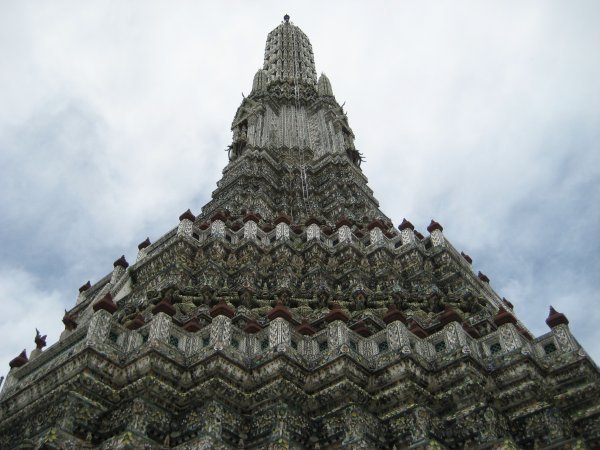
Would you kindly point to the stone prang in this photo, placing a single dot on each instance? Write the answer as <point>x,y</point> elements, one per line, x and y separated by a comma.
<point>291,313</point>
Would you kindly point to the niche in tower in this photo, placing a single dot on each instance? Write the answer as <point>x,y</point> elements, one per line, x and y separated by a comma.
<point>240,139</point>
<point>351,151</point>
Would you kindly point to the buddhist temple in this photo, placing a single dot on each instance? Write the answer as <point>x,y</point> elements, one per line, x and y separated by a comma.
<point>290,312</point>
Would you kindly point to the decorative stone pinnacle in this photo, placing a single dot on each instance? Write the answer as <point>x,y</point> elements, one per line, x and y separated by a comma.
<point>20,360</point>
<point>40,341</point>
<point>312,220</point>
<point>343,221</point>
<point>145,243</point>
<point>137,322</point>
<point>69,321</point>
<point>192,325</point>
<point>122,262</point>
<point>222,309</point>
<point>283,218</point>
<point>508,303</point>
<point>187,215</point>
<point>286,18</point>
<point>251,216</point>
<point>252,327</point>
<point>219,215</point>
<point>164,306</point>
<point>106,303</point>
<point>434,226</point>
<point>449,315</point>
<point>306,328</point>
<point>556,318</point>
<point>504,317</point>
<point>470,330</point>
<point>419,235</point>
<point>393,314</point>
<point>483,277</point>
<point>417,330</point>
<point>336,313</point>
<point>376,223</point>
<point>467,257</point>
<point>361,328</point>
<point>405,225</point>
<point>280,311</point>
<point>85,287</point>
<point>288,57</point>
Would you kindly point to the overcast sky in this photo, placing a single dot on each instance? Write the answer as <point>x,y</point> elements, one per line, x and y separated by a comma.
<point>485,116</point>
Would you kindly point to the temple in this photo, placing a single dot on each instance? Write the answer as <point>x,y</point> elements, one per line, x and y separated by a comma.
<point>292,313</point>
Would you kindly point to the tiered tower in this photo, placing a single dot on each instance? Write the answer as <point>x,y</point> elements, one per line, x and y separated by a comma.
<point>292,314</point>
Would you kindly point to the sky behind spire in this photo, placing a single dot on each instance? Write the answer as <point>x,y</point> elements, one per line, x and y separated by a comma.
<point>485,117</point>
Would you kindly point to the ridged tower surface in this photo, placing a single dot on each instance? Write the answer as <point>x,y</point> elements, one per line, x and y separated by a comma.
<point>290,313</point>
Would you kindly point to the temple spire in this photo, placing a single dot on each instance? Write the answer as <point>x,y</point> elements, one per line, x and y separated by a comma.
<point>289,56</point>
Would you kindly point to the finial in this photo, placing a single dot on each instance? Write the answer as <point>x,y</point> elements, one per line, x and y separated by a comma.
<point>40,341</point>
<point>405,225</point>
<point>19,361</point>
<point>122,262</point>
<point>556,318</point>
<point>434,226</point>
<point>286,18</point>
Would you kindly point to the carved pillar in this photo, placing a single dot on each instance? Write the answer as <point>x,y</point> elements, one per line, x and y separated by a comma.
<point>250,229</point>
<point>398,336</point>
<point>143,249</point>
<point>376,236</point>
<point>83,292</point>
<point>407,232</point>
<point>99,327</point>
<point>217,229</point>
<point>119,268</point>
<point>220,332</point>
<point>132,340</point>
<point>185,227</point>
<point>345,234</point>
<point>456,337</point>
<point>509,337</point>
<point>437,238</point>
<point>282,231</point>
<point>313,232</point>
<point>564,339</point>
<point>337,334</point>
<point>435,231</point>
<point>160,328</point>
<point>279,334</point>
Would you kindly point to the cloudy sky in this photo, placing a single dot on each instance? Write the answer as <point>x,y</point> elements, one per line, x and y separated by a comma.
<point>114,117</point>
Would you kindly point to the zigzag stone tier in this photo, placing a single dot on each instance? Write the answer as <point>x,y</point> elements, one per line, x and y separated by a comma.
<point>292,314</point>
